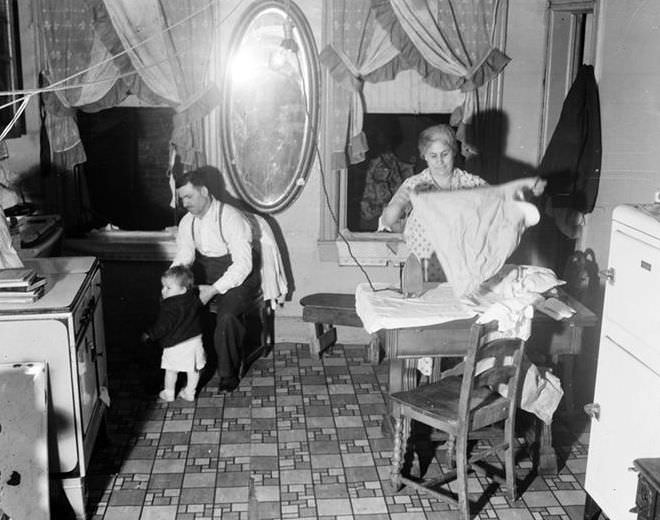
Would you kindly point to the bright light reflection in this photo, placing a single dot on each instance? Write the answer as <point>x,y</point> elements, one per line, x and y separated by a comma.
<point>245,66</point>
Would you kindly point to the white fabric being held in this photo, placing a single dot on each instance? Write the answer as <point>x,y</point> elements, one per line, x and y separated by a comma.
<point>473,232</point>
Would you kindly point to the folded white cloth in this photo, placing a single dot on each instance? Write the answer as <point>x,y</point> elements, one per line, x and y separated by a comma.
<point>273,278</point>
<point>389,309</point>
<point>541,393</point>
<point>510,296</point>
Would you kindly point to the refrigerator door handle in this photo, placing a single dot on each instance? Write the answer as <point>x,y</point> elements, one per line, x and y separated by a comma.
<point>608,274</point>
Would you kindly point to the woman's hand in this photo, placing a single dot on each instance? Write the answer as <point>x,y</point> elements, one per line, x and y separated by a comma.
<point>206,293</point>
<point>520,189</point>
<point>395,209</point>
<point>538,186</point>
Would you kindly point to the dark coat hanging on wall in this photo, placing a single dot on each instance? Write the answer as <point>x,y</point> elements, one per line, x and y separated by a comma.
<point>571,163</point>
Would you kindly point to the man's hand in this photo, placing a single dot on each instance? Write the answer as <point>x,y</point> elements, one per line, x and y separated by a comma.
<point>206,292</point>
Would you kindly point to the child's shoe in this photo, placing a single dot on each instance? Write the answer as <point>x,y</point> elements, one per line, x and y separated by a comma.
<point>187,395</point>
<point>166,395</point>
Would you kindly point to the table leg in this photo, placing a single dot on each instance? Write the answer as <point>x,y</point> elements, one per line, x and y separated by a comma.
<point>402,376</point>
<point>321,337</point>
<point>374,349</point>
<point>565,364</point>
<point>547,457</point>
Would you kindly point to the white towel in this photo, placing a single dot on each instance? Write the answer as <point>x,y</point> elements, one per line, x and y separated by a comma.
<point>389,309</point>
<point>274,284</point>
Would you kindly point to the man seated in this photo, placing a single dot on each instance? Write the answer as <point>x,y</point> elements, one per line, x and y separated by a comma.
<point>215,239</point>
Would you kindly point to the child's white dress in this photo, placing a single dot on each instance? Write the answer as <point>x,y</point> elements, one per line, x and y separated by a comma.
<point>187,356</point>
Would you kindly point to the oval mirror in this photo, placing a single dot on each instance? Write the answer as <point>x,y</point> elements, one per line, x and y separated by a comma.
<point>270,104</point>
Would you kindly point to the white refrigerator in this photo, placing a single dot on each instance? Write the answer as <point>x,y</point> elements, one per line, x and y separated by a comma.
<point>625,423</point>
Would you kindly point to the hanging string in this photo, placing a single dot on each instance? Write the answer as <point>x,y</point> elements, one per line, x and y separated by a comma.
<point>55,87</point>
<point>149,38</point>
<point>18,113</point>
<point>58,85</point>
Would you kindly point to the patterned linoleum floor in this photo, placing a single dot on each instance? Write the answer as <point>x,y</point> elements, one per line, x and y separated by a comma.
<point>300,438</point>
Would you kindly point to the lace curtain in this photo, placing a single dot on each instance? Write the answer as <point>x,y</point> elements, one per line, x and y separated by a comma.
<point>117,47</point>
<point>448,42</point>
<point>360,46</point>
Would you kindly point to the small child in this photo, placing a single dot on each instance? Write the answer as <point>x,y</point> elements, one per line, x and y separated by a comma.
<point>178,331</point>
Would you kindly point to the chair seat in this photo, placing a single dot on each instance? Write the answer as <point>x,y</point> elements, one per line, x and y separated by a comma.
<point>439,401</point>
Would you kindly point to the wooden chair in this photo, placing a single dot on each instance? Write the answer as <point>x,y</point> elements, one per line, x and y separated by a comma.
<point>259,340</point>
<point>462,404</point>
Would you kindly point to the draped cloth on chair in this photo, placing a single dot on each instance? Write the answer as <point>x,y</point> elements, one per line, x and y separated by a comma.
<point>117,47</point>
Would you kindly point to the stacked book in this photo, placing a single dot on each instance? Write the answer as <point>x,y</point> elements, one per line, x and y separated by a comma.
<point>20,285</point>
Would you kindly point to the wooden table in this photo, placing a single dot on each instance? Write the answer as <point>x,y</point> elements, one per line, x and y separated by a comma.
<point>557,342</point>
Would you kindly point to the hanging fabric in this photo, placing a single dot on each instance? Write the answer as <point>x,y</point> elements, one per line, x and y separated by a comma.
<point>359,46</point>
<point>450,44</point>
<point>349,65</point>
<point>157,50</point>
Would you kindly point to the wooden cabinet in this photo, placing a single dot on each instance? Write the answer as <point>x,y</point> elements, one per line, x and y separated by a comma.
<point>65,329</point>
<point>647,503</point>
<point>625,423</point>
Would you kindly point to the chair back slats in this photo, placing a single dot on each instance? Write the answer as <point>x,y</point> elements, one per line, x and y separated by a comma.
<point>497,362</point>
<point>494,376</point>
<point>492,368</point>
<point>499,348</point>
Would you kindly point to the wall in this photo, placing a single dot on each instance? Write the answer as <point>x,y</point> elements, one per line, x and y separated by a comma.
<point>522,97</point>
<point>628,74</point>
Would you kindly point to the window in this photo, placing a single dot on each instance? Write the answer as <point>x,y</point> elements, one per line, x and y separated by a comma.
<point>126,170</point>
<point>409,98</point>
<point>392,158</point>
<point>10,65</point>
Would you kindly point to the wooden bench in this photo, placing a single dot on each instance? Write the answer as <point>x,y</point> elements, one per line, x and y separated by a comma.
<point>325,311</point>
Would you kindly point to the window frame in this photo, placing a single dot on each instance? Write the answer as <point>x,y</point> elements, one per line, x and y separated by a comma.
<point>336,242</point>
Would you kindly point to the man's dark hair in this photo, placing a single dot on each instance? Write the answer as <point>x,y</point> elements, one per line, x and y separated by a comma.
<point>207,176</point>
<point>182,274</point>
<point>195,177</point>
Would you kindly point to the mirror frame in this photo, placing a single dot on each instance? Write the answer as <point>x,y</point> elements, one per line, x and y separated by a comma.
<point>297,179</point>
